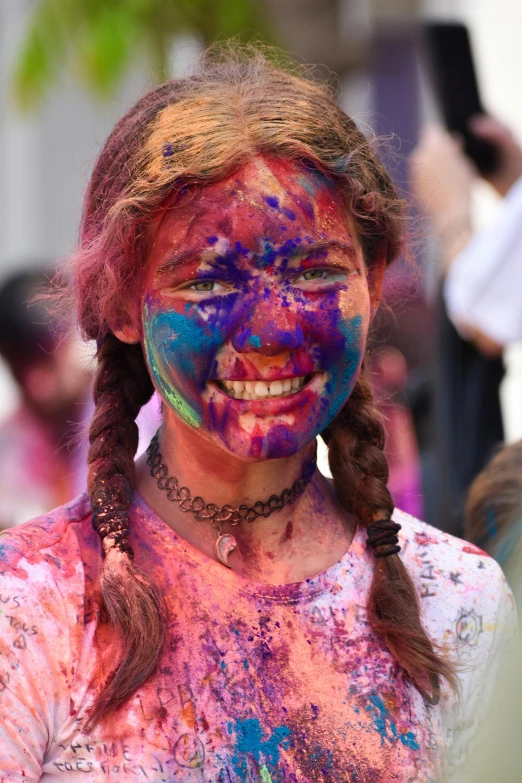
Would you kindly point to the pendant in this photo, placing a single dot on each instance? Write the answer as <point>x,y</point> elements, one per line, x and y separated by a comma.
<point>225,545</point>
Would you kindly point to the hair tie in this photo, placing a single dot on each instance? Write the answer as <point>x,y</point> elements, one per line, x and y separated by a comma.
<point>382,537</point>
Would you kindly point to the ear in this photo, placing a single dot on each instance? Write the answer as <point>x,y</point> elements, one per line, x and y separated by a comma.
<point>127,334</point>
<point>375,276</point>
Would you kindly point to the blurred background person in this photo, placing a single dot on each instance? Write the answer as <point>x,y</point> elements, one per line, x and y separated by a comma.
<point>494,522</point>
<point>482,304</point>
<point>42,452</point>
<point>494,509</point>
<point>483,284</point>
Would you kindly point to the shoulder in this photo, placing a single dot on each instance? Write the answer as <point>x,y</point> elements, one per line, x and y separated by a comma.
<point>446,554</point>
<point>49,549</point>
<point>465,599</point>
<point>42,534</point>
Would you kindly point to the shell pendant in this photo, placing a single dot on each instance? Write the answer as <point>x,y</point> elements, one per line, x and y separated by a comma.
<point>225,545</point>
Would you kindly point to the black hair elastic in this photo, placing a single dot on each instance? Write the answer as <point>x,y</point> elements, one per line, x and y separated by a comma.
<point>382,537</point>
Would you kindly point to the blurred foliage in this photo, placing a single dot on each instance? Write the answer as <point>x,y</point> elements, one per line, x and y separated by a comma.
<point>98,40</point>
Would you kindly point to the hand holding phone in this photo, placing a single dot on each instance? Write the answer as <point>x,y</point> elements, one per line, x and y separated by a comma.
<point>509,168</point>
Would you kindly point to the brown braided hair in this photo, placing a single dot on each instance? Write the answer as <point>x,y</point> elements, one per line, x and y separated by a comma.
<point>132,603</point>
<point>356,440</point>
<point>191,131</point>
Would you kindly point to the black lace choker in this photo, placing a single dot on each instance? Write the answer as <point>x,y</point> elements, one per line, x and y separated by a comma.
<point>225,542</point>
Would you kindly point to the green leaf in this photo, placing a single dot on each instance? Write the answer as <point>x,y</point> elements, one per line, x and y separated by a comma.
<point>99,39</point>
<point>107,41</point>
<point>37,63</point>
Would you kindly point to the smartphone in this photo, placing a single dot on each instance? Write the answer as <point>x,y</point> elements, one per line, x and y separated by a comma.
<point>451,59</point>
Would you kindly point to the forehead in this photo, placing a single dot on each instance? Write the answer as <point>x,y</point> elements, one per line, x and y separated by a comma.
<point>267,197</point>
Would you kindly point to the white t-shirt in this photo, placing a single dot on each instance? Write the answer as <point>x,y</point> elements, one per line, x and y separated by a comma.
<point>483,288</point>
<point>257,683</point>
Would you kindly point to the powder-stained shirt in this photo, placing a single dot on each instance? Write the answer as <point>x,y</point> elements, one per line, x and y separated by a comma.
<point>257,683</point>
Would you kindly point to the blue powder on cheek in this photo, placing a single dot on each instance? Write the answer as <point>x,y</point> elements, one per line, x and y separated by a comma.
<point>181,350</point>
<point>352,333</point>
<point>272,201</point>
<point>343,377</point>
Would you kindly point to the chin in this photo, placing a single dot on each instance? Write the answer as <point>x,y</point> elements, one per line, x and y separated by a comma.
<point>277,441</point>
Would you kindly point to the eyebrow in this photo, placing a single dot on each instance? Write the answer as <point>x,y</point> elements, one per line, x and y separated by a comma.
<point>292,250</point>
<point>321,247</point>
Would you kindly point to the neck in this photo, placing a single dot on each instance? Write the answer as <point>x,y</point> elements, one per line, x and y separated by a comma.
<point>285,546</point>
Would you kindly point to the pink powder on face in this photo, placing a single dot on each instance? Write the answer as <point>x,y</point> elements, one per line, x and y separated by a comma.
<point>273,305</point>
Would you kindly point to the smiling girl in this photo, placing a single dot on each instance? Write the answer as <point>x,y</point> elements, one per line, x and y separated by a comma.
<point>218,611</point>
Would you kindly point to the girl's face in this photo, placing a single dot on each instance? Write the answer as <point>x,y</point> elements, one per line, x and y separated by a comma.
<point>256,308</point>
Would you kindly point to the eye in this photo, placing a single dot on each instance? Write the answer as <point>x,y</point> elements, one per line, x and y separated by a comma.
<point>207,287</point>
<point>314,274</point>
<point>203,285</point>
<point>319,277</point>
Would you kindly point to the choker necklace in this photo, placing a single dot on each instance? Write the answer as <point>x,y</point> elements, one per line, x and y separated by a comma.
<point>225,542</point>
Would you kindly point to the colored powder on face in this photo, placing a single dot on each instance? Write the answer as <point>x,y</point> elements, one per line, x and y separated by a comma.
<point>352,333</point>
<point>266,777</point>
<point>268,255</point>
<point>160,332</point>
<point>254,341</point>
<point>242,251</point>
<point>192,343</point>
<point>343,375</point>
<point>290,246</point>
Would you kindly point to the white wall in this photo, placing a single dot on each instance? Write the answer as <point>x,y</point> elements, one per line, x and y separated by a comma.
<point>45,160</point>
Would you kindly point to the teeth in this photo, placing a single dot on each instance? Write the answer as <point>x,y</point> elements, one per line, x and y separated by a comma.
<point>261,390</point>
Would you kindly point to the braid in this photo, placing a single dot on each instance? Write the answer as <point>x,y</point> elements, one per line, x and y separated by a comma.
<point>134,607</point>
<point>359,468</point>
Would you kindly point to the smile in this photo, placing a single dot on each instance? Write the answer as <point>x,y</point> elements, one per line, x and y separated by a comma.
<point>262,390</point>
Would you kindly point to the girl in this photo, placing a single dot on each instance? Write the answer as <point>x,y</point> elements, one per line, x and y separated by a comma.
<point>219,611</point>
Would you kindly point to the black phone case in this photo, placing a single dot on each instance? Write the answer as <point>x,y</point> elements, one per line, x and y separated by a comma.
<point>451,59</point>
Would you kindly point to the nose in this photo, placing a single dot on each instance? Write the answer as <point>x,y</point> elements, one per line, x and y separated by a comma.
<point>269,328</point>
